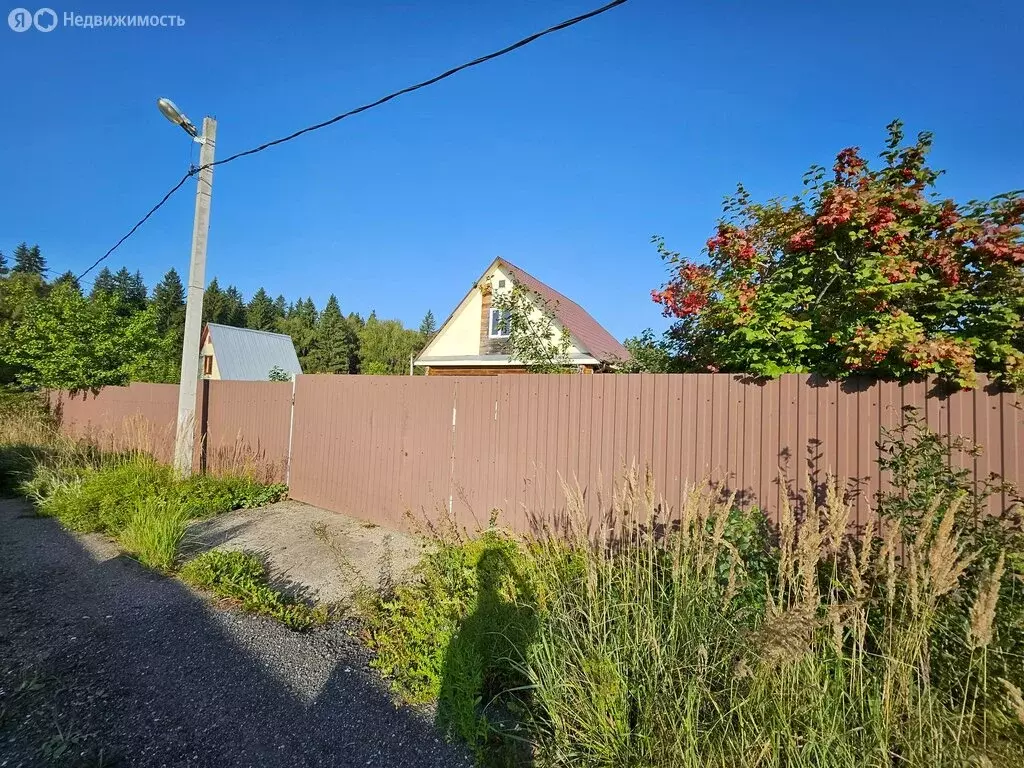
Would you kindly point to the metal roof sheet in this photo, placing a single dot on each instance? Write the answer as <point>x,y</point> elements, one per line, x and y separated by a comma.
<point>247,355</point>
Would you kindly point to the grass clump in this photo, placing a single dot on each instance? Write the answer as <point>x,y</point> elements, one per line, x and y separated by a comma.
<point>242,577</point>
<point>154,532</point>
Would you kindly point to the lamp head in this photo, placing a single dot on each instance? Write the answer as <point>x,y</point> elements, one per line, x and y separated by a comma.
<point>176,116</point>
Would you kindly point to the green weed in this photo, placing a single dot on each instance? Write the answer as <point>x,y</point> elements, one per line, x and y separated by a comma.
<point>457,633</point>
<point>242,577</point>
<point>154,531</point>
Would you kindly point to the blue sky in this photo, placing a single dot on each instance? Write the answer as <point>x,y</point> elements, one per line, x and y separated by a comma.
<point>564,157</point>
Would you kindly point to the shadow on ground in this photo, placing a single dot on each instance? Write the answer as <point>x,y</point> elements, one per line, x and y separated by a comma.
<point>102,656</point>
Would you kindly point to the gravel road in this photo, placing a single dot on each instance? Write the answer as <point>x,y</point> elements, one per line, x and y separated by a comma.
<point>105,663</point>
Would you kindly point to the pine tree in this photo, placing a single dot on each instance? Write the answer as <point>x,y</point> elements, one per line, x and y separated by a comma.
<point>261,314</point>
<point>280,306</point>
<point>169,303</point>
<point>68,278</point>
<point>3,264</point>
<point>336,344</point>
<point>29,261</point>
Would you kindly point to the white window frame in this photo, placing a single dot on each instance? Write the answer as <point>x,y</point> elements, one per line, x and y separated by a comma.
<point>491,315</point>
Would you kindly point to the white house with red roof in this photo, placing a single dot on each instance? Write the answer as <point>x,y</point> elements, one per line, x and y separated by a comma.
<point>473,340</point>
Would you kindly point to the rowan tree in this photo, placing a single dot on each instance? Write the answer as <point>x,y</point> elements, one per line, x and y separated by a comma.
<point>869,271</point>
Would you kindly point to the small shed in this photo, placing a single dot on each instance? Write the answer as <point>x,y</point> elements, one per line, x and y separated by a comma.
<point>242,354</point>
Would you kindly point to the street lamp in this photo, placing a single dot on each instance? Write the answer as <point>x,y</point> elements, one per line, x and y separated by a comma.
<point>184,440</point>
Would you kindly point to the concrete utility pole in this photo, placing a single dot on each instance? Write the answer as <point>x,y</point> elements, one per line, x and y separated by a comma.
<point>185,436</point>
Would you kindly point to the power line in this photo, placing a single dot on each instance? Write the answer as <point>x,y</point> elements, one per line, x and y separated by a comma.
<point>141,221</point>
<point>455,70</point>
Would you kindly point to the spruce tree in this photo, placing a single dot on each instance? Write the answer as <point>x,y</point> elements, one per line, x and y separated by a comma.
<point>3,265</point>
<point>29,261</point>
<point>214,304</point>
<point>103,284</point>
<point>69,279</point>
<point>336,343</point>
<point>169,303</point>
<point>261,314</point>
<point>300,325</point>
<point>234,312</point>
<point>131,290</point>
<point>428,327</point>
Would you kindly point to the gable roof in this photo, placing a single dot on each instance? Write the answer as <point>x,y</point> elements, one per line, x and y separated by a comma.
<point>574,318</point>
<point>590,334</point>
<point>246,355</point>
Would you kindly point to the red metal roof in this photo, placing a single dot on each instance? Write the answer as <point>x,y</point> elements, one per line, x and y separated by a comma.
<point>584,328</point>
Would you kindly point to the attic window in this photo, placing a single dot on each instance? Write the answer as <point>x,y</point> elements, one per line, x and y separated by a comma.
<point>501,283</point>
<point>207,365</point>
<point>500,323</point>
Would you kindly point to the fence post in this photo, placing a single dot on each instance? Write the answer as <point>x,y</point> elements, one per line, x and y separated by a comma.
<point>451,465</point>
<point>291,429</point>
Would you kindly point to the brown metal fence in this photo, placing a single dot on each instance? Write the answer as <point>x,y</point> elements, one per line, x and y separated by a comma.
<point>241,426</point>
<point>385,448</point>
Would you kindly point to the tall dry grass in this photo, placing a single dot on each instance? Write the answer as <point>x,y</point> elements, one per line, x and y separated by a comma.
<point>665,643</point>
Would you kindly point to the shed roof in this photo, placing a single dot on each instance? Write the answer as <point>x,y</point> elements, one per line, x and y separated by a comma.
<point>247,355</point>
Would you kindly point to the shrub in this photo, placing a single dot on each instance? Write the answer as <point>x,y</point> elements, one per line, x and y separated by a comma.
<point>926,482</point>
<point>154,531</point>
<point>242,577</point>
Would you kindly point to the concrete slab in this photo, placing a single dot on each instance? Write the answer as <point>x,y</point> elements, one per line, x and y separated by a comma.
<point>311,552</point>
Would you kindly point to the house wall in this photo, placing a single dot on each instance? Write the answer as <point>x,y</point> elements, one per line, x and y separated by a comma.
<point>461,336</point>
<point>488,370</point>
<point>207,349</point>
<point>491,289</point>
<point>474,370</point>
<point>468,330</point>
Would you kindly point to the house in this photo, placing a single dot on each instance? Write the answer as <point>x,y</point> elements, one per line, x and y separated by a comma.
<point>473,341</point>
<point>241,354</point>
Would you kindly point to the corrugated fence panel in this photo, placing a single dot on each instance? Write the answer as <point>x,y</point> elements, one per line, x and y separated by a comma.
<point>375,447</point>
<point>137,417</point>
<point>474,472</point>
<point>246,426</point>
<point>385,448</point>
